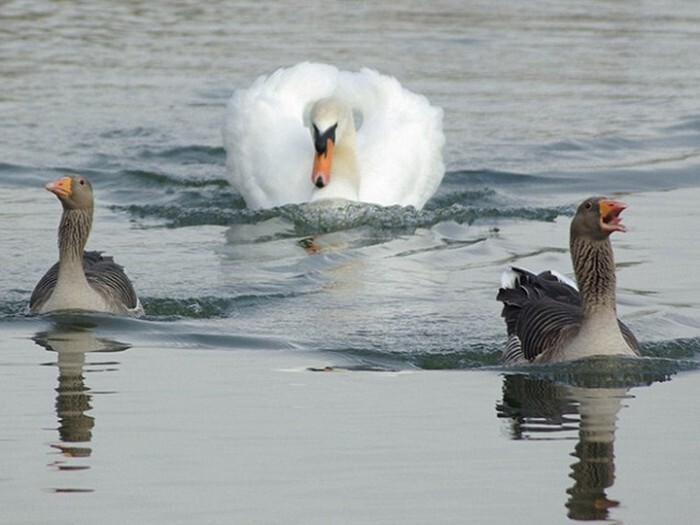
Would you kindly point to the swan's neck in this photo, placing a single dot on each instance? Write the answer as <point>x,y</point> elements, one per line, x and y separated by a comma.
<point>594,267</point>
<point>345,174</point>
<point>73,234</point>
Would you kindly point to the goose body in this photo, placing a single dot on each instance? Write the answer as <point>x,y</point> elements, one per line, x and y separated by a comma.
<point>549,318</point>
<point>312,132</point>
<point>81,280</point>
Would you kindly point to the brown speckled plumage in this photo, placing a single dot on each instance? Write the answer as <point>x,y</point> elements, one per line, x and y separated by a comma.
<point>548,319</point>
<point>81,280</point>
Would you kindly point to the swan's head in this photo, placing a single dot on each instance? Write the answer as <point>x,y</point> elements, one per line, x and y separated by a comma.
<point>331,119</point>
<point>74,192</point>
<point>597,217</point>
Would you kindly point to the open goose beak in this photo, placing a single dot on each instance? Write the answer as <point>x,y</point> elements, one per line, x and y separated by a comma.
<point>610,220</point>
<point>61,188</point>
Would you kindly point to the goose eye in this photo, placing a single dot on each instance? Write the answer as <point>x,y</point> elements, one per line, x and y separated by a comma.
<point>82,181</point>
<point>589,205</point>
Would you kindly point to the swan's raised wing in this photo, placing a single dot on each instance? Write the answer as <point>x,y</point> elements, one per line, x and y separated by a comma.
<point>399,141</point>
<point>269,152</point>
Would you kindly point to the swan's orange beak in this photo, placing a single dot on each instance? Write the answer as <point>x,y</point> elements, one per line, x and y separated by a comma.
<point>61,188</point>
<point>610,220</point>
<point>321,173</point>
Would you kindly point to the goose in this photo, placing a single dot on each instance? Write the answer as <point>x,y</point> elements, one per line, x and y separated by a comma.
<point>314,133</point>
<point>548,319</point>
<point>81,280</point>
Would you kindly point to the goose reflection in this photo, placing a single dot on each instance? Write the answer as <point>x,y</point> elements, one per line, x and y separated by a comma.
<point>594,472</point>
<point>541,408</point>
<point>72,339</point>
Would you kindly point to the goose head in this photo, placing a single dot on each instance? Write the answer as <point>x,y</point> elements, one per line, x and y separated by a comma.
<point>596,218</point>
<point>331,123</point>
<point>74,192</point>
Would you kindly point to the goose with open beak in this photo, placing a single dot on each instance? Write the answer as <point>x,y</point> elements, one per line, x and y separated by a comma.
<point>549,319</point>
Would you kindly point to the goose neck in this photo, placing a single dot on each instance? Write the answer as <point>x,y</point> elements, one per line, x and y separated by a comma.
<point>594,267</point>
<point>73,234</point>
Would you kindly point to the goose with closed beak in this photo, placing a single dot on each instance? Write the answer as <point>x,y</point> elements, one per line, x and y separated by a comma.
<point>81,280</point>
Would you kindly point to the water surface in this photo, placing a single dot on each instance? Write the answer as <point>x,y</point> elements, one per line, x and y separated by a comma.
<point>302,366</point>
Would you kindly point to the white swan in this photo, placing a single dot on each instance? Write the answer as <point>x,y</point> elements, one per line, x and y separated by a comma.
<point>374,141</point>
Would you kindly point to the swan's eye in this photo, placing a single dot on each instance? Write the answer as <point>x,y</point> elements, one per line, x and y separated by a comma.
<point>315,131</point>
<point>589,205</point>
<point>82,181</point>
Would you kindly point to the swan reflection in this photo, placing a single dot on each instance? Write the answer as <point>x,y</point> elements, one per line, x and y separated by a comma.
<point>72,339</point>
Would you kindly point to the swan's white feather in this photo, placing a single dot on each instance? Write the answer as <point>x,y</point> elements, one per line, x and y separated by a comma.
<point>270,151</point>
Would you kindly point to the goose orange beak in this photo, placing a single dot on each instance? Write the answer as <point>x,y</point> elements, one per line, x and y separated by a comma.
<point>321,173</point>
<point>610,220</point>
<point>61,188</point>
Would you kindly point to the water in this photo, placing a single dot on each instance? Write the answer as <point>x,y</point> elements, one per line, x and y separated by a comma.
<point>301,366</point>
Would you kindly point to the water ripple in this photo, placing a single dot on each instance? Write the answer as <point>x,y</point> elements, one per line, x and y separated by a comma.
<point>186,155</point>
<point>226,208</point>
<point>609,372</point>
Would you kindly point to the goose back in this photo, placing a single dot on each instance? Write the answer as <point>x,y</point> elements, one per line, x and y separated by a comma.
<point>104,275</point>
<point>543,314</point>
